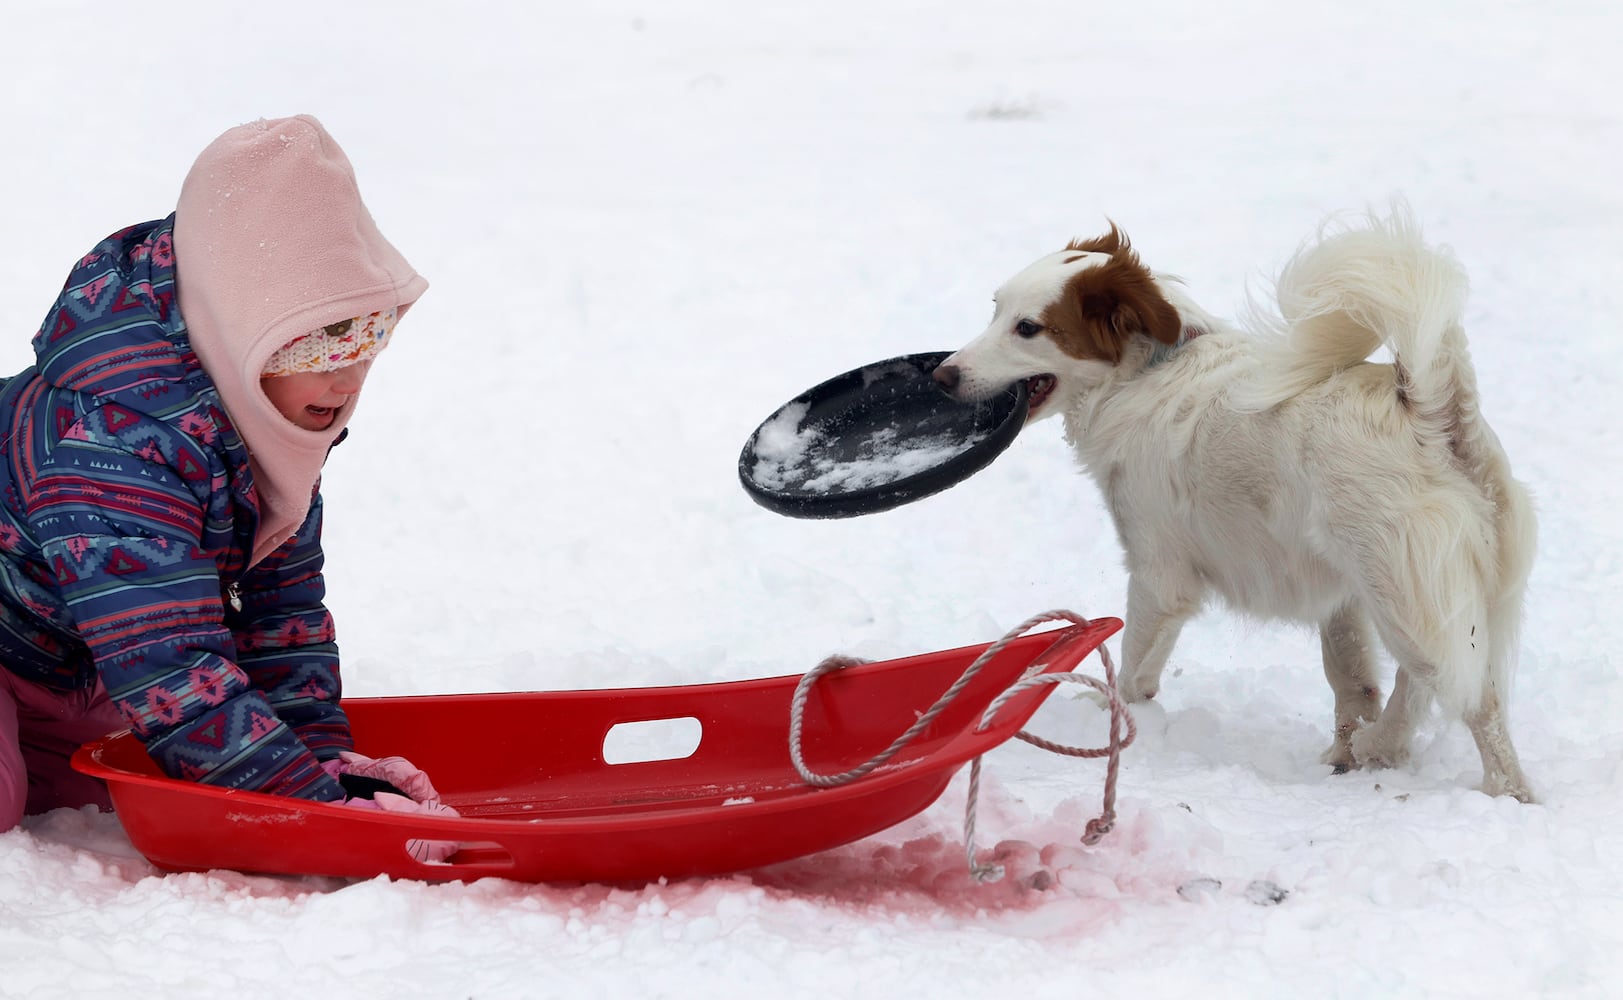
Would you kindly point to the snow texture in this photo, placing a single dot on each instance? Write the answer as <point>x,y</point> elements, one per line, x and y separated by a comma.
<point>648,225</point>
<point>793,456</point>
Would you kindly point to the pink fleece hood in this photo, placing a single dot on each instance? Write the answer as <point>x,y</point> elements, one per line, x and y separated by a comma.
<point>272,242</point>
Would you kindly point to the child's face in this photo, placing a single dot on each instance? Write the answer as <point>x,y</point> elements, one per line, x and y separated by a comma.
<point>312,399</point>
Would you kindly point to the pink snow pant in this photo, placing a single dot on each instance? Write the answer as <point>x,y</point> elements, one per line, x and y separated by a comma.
<point>39,730</point>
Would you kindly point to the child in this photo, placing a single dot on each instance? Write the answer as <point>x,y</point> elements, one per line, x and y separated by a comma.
<point>160,520</point>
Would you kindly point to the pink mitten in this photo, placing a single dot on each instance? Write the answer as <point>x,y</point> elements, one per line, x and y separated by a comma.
<point>383,778</point>
<point>429,852</point>
<point>432,852</point>
<point>397,771</point>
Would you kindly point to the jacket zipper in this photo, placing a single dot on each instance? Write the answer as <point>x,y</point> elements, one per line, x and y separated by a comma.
<point>233,594</point>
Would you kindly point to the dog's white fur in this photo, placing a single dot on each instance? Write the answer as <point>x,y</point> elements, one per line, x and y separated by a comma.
<point>1280,469</point>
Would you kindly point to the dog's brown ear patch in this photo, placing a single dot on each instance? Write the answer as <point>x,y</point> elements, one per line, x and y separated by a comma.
<point>1103,306</point>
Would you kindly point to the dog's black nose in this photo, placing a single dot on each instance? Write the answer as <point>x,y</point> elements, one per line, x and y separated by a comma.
<point>947,376</point>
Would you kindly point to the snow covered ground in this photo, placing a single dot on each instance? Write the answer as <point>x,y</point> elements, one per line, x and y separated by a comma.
<point>647,225</point>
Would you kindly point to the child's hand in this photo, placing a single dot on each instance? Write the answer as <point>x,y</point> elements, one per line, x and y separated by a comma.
<point>397,772</point>
<point>393,784</point>
<point>430,852</point>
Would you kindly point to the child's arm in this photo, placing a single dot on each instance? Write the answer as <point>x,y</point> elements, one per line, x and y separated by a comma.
<point>121,534</point>
<point>285,640</point>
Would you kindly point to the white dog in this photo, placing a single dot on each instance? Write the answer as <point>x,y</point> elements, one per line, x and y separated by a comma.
<point>1283,471</point>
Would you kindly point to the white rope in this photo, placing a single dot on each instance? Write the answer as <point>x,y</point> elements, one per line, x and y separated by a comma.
<point>1032,677</point>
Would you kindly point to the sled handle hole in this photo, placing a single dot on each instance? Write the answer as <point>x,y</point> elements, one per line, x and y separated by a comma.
<point>651,740</point>
<point>482,854</point>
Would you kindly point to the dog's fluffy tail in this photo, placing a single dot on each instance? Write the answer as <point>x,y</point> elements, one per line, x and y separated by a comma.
<point>1351,290</point>
<point>1356,287</point>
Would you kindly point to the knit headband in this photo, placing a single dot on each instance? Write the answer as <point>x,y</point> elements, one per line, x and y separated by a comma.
<point>333,347</point>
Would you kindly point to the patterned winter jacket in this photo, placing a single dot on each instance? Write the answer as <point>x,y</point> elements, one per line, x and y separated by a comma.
<point>127,515</point>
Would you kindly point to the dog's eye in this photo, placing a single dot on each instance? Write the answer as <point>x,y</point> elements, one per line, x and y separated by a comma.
<point>1028,328</point>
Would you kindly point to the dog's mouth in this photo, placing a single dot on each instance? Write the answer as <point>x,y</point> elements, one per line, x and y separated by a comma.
<point>1038,389</point>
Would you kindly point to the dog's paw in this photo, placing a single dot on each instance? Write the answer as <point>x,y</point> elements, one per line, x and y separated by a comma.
<point>1503,784</point>
<point>1102,700</point>
<point>1372,747</point>
<point>1340,757</point>
<point>1097,698</point>
<point>1132,689</point>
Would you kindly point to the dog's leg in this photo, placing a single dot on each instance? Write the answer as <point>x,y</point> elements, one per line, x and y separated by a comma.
<point>1385,742</point>
<point>1350,668</point>
<point>1501,769</point>
<point>1153,624</point>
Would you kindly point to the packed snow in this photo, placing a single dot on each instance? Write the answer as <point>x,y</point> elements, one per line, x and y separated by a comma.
<point>648,225</point>
<point>796,457</point>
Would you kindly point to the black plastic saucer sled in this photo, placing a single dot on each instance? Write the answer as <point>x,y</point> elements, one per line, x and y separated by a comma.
<point>875,438</point>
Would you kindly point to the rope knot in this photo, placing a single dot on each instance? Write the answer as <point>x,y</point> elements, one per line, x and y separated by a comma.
<point>1097,828</point>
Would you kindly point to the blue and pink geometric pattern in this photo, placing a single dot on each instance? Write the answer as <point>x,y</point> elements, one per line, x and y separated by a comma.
<point>127,513</point>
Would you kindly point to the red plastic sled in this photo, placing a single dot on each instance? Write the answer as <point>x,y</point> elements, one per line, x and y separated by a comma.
<point>540,804</point>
